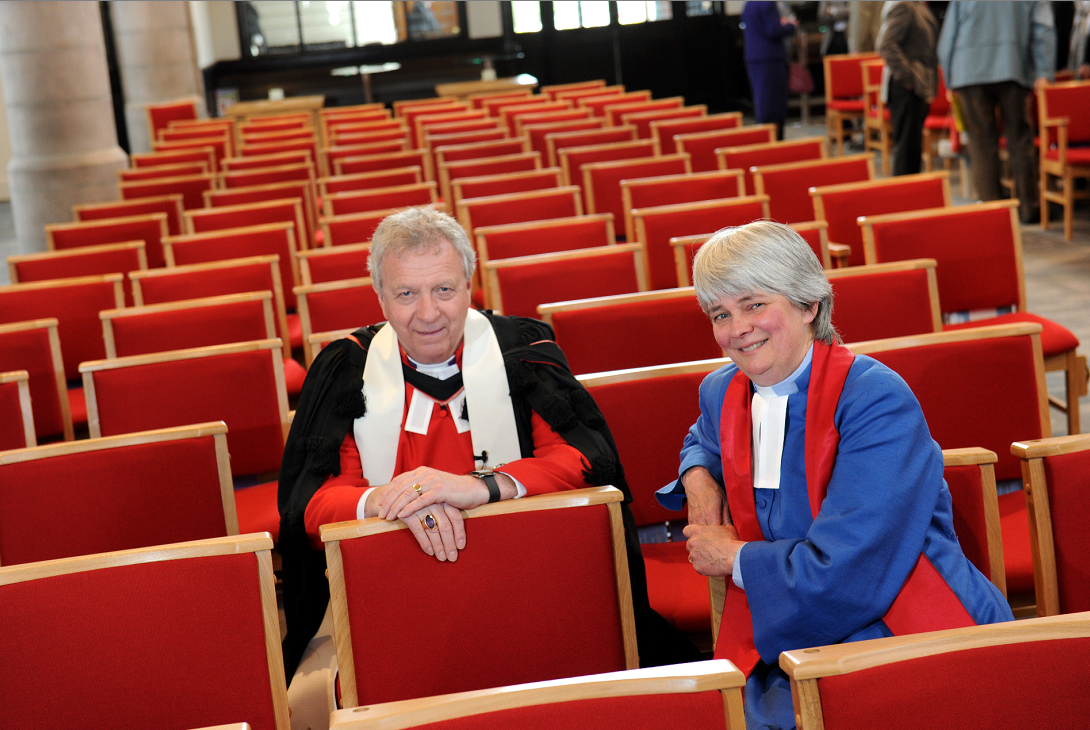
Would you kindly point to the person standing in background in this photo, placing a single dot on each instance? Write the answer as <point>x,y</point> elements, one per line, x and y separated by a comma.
<point>993,54</point>
<point>906,43</point>
<point>764,29</point>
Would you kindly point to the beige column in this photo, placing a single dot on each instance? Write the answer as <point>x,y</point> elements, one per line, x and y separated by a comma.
<point>157,58</point>
<point>60,113</point>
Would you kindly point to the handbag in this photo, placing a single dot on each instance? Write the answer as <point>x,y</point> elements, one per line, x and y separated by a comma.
<point>799,80</point>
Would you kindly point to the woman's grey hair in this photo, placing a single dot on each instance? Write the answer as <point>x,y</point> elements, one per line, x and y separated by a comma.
<point>414,230</point>
<point>764,257</point>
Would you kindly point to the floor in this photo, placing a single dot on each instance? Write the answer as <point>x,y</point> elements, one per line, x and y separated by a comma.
<point>1057,273</point>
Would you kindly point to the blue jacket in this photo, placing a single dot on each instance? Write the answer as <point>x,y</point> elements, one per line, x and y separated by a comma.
<point>764,33</point>
<point>989,42</point>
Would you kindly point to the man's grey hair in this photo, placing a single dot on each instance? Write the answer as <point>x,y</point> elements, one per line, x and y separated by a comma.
<point>415,230</point>
<point>764,257</point>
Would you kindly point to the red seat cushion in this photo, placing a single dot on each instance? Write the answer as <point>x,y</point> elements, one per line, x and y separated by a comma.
<point>676,591</point>
<point>846,105</point>
<point>1075,155</point>
<point>937,122</point>
<point>257,510</point>
<point>77,404</point>
<point>1017,557</point>
<point>295,331</point>
<point>1055,338</point>
<point>294,375</point>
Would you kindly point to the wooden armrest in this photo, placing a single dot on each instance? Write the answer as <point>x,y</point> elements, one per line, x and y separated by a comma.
<point>839,253</point>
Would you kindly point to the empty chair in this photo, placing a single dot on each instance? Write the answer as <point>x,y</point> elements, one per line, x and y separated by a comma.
<point>17,422</point>
<point>77,262</point>
<point>512,114</point>
<point>160,116</point>
<point>553,90</point>
<point>843,94</point>
<point>666,129</point>
<point>385,161</point>
<point>602,182</point>
<point>397,196</point>
<point>685,188</point>
<point>34,347</point>
<point>580,527</point>
<point>970,475</point>
<point>702,145</point>
<point>840,205</point>
<point>134,636</point>
<point>518,285</point>
<point>369,180</point>
<point>598,103</point>
<point>642,120</point>
<point>190,187</point>
<point>773,153</point>
<point>336,305</point>
<point>886,300</point>
<point>150,228</point>
<point>518,162</point>
<point>788,185</point>
<point>1064,134</point>
<point>266,175</point>
<point>572,159</point>
<point>585,137</point>
<point>301,190</point>
<point>333,263</point>
<point>813,232</point>
<point>277,159</point>
<point>538,131</point>
<point>346,149</point>
<point>877,128</point>
<point>352,228</point>
<point>113,493</point>
<point>151,173</point>
<point>534,205</point>
<point>173,157</point>
<point>169,204</point>
<point>614,112</point>
<point>706,694</point>
<point>288,210</point>
<point>546,236</point>
<point>952,678</point>
<point>575,94</point>
<point>507,182</point>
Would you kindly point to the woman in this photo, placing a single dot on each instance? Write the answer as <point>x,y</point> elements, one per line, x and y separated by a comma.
<point>764,30</point>
<point>824,463</point>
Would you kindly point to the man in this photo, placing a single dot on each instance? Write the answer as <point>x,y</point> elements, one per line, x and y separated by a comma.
<point>993,53</point>
<point>441,409</point>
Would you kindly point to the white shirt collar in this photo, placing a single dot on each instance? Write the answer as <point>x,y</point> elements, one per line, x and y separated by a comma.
<point>439,371</point>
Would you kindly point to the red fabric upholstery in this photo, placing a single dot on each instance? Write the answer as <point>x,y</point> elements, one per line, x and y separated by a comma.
<point>844,207</point>
<point>237,388</point>
<point>1075,155</point>
<point>180,329</point>
<point>547,618</point>
<point>266,176</point>
<point>1067,497</point>
<point>367,181</point>
<point>133,646</point>
<point>76,263</point>
<point>876,306</point>
<point>613,112</point>
<point>649,419</point>
<point>453,111</point>
<point>479,150</point>
<point>110,499</point>
<point>574,158</point>
<point>388,161</point>
<point>237,244</point>
<point>75,306</point>
<point>357,306</point>
<point>573,123</point>
<point>547,236</point>
<point>294,374</point>
<point>526,286</point>
<point>380,199</point>
<point>235,278</point>
<point>345,230</point>
<point>616,336</point>
<point>1017,555</point>
<point>29,350</point>
<point>356,147</point>
<point>662,224</point>
<point>587,137</point>
<point>12,435</point>
<point>685,189</point>
<point>540,205</point>
<point>966,490</point>
<point>846,105</point>
<point>642,120</point>
<point>479,187</point>
<point>297,157</point>
<point>169,204</point>
<point>275,148</point>
<point>598,104</point>
<point>142,228</point>
<point>775,154</point>
<point>257,510</point>
<point>845,75</point>
<point>161,115</point>
<point>702,146</point>
<point>605,184</point>
<point>77,407</point>
<point>677,592</point>
<point>492,166</point>
<point>1055,338</point>
<point>248,214</point>
<point>703,710</point>
<point>151,173</point>
<point>788,188</point>
<point>280,191</point>
<point>975,393</point>
<point>190,187</point>
<point>337,263</point>
<point>969,689</point>
<point>668,129</point>
<point>1070,101</point>
<point>942,122</point>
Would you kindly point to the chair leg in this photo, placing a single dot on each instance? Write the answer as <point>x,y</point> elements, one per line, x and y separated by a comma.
<point>1042,189</point>
<point>1069,205</point>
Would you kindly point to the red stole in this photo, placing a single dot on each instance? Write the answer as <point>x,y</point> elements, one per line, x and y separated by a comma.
<point>925,602</point>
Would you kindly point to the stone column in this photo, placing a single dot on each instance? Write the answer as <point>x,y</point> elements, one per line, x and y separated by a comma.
<point>157,59</point>
<point>60,113</point>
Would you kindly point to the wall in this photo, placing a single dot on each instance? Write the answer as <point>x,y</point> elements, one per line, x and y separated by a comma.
<point>215,31</point>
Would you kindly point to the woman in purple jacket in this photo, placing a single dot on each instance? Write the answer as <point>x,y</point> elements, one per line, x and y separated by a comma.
<point>766,60</point>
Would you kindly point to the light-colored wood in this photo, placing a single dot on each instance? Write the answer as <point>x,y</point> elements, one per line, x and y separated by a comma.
<point>322,182</point>
<point>694,677</point>
<point>564,154</point>
<point>624,587</point>
<point>929,265</point>
<point>227,485</point>
<point>22,380</point>
<point>342,632</point>
<point>47,451</point>
<point>271,619</point>
<point>546,311</point>
<point>464,89</point>
<point>985,459</point>
<point>417,154</point>
<point>807,703</point>
<point>1046,584</point>
<point>50,228</point>
<point>305,169</point>
<point>304,257</point>
<point>302,292</point>
<point>324,338</point>
<point>275,159</point>
<point>971,456</point>
<point>290,188</point>
<point>802,166</point>
<point>681,261</point>
<point>1041,448</point>
<point>593,380</point>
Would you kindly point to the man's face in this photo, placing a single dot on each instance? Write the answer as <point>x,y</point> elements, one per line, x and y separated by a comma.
<point>425,297</point>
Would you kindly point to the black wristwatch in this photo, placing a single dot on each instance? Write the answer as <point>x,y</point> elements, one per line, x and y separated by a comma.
<point>491,482</point>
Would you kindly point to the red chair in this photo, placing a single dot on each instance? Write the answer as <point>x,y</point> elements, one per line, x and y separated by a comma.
<point>35,348</point>
<point>516,286</point>
<point>706,694</point>
<point>553,90</point>
<point>598,103</point>
<point>572,159</point>
<point>275,148</point>
<point>287,135</point>
<point>478,149</point>
<point>301,190</point>
<point>353,228</point>
<point>523,122</point>
<point>518,162</point>
<point>335,263</point>
<point>576,564</point>
<point>160,116</point>
<point>150,228</point>
<point>402,105</point>
<point>352,135</point>
<point>538,131</point>
<point>445,110</point>
<point>398,196</point>
<point>278,159</point>
<point>433,141</point>
<point>507,182</point>
<point>369,180</point>
<point>476,100</point>
<point>655,226</point>
<point>667,398</point>
<point>788,185</point>
<point>423,122</point>
<point>938,123</point>
<point>664,130</point>
<point>685,247</point>
<point>979,250</point>
<point>220,142</point>
<point>703,145</point>
<point>1065,132</point>
<point>843,94</point>
<point>159,171</point>
<point>613,112</point>
<point>841,205</point>
<point>267,175</point>
<point>1054,472</point>
<point>906,680</point>
<point>546,236</point>
<point>970,475</point>
<point>686,188</point>
<point>773,153</point>
<point>611,333</point>
<point>17,423</point>
<point>197,136</point>
<point>877,128</point>
<point>189,323</point>
<point>510,114</point>
<point>585,137</point>
<point>109,494</point>
<point>336,305</point>
<point>575,94</point>
<point>642,120</point>
<point>138,634</point>
<point>77,262</point>
<point>191,187</point>
<point>346,149</point>
<point>387,161</point>
<point>602,182</point>
<point>176,157</point>
<point>463,126</point>
<point>171,205</point>
<point>285,210</point>
<point>885,300</point>
<point>534,205</point>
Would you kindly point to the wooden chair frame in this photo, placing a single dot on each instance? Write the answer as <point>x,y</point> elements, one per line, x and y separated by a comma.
<point>574,177</point>
<point>333,534</point>
<point>554,141</point>
<point>828,253</point>
<point>456,186</point>
<point>661,128</point>
<point>758,172</point>
<point>589,168</point>
<point>276,159</point>
<point>481,234</point>
<point>909,265</point>
<point>179,169</point>
<point>305,172</point>
<point>169,200</point>
<point>328,200</point>
<point>722,152</point>
<point>614,112</point>
<point>447,169</point>
<point>324,338</point>
<point>1059,168</point>
<point>310,215</point>
<point>50,228</point>
<point>207,154</point>
<point>876,123</point>
<point>304,309</point>
<point>323,182</point>
<point>139,246</point>
<point>259,544</point>
<point>628,185</point>
<point>191,216</point>
<point>552,90</point>
<point>642,120</point>
<point>209,178</point>
<point>22,380</point>
<point>834,118</point>
<point>546,311</point>
<point>985,459</point>
<point>464,213</point>
<point>51,325</point>
<point>527,122</point>
<point>304,257</point>
<point>429,173</point>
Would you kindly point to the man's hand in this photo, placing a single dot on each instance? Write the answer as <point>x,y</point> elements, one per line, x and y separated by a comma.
<point>446,537</point>
<point>458,490</point>
<point>707,501</point>
<point>712,548</point>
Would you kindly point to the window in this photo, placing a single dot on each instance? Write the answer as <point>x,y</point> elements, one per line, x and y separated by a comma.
<point>630,13</point>
<point>526,16</point>
<point>568,15</point>
<point>699,7</point>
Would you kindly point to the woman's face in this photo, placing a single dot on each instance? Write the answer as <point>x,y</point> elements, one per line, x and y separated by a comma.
<point>764,334</point>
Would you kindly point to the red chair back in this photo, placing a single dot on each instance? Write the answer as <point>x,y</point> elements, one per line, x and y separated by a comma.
<point>348,136</point>
<point>685,248</point>
<point>523,122</point>
<point>510,114</point>
<point>774,153</point>
<point>73,263</point>
<point>361,201</point>
<point>1066,100</point>
<point>518,162</point>
<point>844,75</point>
<point>334,263</point>
<point>152,173</point>
<point>161,115</point>
<point>642,120</point>
<point>686,188</point>
<point>555,142</point>
<point>534,205</point>
<point>554,90</point>
<point>353,228</point>
<point>386,161</point>
<point>788,185</point>
<point>508,182</point>
<point>598,104</point>
<point>538,131</point>
<point>17,423</point>
<point>337,305</point>
<point>278,159</point>
<point>191,187</point>
<point>602,182</point>
<point>702,145</point>
<point>302,190</point>
<point>34,347</point>
<point>477,150</point>
<point>285,210</point>
<point>547,236</point>
<point>575,94</point>
<point>886,300</point>
<point>267,175</point>
<point>220,142</point>
<point>176,157</point>
<point>666,129</point>
<point>369,180</point>
<point>970,475</point>
<point>614,112</point>
<point>171,205</point>
<point>150,228</point>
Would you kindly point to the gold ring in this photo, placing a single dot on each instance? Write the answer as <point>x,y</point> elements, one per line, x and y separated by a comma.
<point>417,489</point>
<point>690,557</point>
<point>429,522</point>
